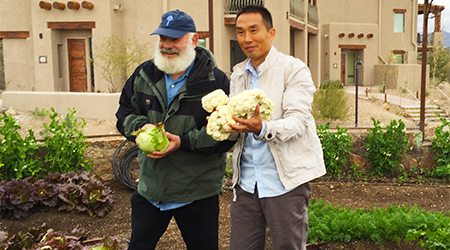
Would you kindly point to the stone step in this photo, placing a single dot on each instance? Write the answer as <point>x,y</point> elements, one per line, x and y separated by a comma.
<point>432,113</point>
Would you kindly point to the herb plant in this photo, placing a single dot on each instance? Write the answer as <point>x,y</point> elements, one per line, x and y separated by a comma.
<point>336,148</point>
<point>331,223</point>
<point>386,148</point>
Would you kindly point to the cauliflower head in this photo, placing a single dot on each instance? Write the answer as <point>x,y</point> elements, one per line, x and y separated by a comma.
<point>243,105</point>
<point>214,99</point>
<point>218,123</point>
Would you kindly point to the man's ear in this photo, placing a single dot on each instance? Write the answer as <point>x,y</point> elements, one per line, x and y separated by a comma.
<point>195,40</point>
<point>272,33</point>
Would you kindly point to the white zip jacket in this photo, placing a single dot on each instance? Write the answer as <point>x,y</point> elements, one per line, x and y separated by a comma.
<point>291,131</point>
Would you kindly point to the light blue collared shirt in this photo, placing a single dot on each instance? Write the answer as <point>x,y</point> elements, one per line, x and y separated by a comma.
<point>257,163</point>
<point>172,88</point>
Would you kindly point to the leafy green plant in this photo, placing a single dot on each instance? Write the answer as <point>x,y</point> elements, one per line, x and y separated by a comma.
<point>40,114</point>
<point>330,103</point>
<point>440,145</point>
<point>335,147</point>
<point>432,240</point>
<point>70,192</point>
<point>386,148</point>
<point>333,223</point>
<point>17,155</point>
<point>65,144</point>
<point>45,238</point>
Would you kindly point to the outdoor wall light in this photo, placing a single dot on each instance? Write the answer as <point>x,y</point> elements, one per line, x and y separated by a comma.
<point>73,5</point>
<point>42,59</point>
<point>45,5</point>
<point>341,35</point>
<point>59,6</point>
<point>87,5</point>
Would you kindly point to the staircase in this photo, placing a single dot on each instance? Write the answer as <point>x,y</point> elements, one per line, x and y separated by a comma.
<point>430,113</point>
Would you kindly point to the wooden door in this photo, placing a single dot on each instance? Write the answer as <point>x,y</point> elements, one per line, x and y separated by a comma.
<point>77,65</point>
<point>343,63</point>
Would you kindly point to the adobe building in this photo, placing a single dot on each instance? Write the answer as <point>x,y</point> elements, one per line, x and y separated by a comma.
<point>51,48</point>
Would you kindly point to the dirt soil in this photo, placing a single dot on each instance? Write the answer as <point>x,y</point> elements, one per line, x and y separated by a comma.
<point>336,191</point>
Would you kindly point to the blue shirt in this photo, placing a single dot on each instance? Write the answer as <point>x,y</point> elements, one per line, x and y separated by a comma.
<point>172,88</point>
<point>257,163</point>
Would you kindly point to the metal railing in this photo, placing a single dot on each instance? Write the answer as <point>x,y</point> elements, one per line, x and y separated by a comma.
<point>296,9</point>
<point>233,6</point>
<point>313,15</point>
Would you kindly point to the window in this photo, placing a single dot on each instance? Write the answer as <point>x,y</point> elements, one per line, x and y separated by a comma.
<point>399,20</point>
<point>399,56</point>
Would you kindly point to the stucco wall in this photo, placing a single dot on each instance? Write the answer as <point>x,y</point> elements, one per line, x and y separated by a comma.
<point>101,106</point>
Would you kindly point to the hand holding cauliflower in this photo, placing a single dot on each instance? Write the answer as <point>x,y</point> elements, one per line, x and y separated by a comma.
<point>242,105</point>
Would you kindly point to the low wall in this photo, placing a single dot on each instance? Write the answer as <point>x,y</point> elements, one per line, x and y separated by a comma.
<point>101,106</point>
<point>101,151</point>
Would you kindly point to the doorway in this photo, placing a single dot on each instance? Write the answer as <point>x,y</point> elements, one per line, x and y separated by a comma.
<point>348,60</point>
<point>78,79</point>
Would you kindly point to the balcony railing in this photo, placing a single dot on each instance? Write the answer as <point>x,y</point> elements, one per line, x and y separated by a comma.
<point>233,6</point>
<point>313,15</point>
<point>296,9</point>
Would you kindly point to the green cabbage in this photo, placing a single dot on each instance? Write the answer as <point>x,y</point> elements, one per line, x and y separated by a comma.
<point>152,139</point>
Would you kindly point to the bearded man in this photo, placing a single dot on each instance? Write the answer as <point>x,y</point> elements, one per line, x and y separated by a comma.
<point>183,181</point>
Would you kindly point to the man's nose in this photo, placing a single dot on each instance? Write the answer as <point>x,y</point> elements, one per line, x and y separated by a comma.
<point>248,37</point>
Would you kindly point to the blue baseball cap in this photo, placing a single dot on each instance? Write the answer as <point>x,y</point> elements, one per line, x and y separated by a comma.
<point>175,24</point>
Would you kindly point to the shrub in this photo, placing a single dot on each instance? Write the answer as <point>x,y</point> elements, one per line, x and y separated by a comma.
<point>385,149</point>
<point>17,155</point>
<point>331,83</point>
<point>330,102</point>
<point>441,148</point>
<point>336,148</point>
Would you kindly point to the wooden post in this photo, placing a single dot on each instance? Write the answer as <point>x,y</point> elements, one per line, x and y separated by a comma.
<point>73,5</point>
<point>87,5</point>
<point>211,25</point>
<point>59,6</point>
<point>45,5</point>
<point>426,11</point>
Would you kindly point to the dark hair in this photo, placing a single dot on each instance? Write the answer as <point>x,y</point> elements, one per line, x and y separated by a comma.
<point>266,16</point>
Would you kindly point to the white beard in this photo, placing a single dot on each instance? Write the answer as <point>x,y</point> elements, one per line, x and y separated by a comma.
<point>177,64</point>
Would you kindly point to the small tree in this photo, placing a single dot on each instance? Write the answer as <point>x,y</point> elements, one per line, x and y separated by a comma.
<point>439,61</point>
<point>2,68</point>
<point>117,58</point>
<point>330,102</point>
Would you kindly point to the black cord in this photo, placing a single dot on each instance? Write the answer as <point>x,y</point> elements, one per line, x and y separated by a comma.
<point>121,161</point>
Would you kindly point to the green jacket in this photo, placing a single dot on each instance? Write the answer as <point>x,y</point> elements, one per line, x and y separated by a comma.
<point>196,170</point>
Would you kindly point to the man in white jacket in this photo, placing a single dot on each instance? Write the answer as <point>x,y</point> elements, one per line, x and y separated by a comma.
<point>273,161</point>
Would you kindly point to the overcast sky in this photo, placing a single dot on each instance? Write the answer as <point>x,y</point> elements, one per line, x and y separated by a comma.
<point>445,17</point>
